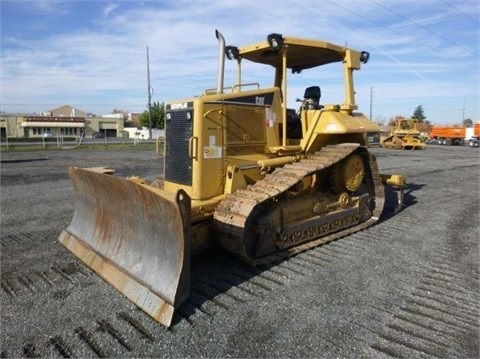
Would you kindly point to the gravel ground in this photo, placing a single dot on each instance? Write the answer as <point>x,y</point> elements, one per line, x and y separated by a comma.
<point>407,287</point>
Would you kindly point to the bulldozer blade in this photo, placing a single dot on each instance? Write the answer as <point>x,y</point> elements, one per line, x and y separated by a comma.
<point>136,237</point>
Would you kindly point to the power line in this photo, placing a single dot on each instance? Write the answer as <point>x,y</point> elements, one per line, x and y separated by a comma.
<point>399,33</point>
<point>461,12</point>
<point>424,28</point>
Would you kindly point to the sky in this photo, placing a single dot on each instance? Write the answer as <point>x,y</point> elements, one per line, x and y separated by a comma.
<point>92,55</point>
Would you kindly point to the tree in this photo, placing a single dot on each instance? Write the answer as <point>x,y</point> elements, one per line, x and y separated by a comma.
<point>418,114</point>
<point>157,112</point>
<point>468,122</point>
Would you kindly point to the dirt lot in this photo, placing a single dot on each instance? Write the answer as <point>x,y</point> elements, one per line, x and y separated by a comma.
<point>407,287</point>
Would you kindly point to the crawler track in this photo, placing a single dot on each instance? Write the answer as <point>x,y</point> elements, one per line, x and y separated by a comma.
<point>232,214</point>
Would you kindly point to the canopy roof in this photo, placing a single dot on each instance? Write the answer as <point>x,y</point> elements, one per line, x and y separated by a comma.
<point>301,53</point>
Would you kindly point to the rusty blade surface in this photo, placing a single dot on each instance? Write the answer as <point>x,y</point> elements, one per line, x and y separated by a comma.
<point>134,236</point>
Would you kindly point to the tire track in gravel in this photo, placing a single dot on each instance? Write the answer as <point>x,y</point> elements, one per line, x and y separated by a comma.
<point>236,285</point>
<point>439,316</point>
<point>431,321</point>
<point>21,284</point>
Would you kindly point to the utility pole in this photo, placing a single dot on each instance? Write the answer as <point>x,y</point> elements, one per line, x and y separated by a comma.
<point>149,97</point>
<point>371,102</point>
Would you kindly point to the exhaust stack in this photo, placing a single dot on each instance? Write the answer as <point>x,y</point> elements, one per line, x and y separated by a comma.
<point>221,61</point>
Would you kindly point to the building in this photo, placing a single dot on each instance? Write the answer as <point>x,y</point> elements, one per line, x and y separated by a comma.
<point>110,126</point>
<point>52,126</point>
<point>8,125</point>
<point>63,122</point>
<point>65,111</point>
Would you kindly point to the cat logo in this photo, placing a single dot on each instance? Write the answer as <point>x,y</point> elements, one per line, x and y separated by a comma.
<point>259,100</point>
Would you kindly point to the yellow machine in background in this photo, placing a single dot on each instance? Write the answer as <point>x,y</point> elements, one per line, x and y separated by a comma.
<point>243,171</point>
<point>405,136</point>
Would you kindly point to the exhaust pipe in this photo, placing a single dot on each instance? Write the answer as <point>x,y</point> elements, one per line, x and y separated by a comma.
<point>221,61</point>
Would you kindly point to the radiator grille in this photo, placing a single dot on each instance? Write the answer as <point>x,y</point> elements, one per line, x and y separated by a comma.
<point>178,130</point>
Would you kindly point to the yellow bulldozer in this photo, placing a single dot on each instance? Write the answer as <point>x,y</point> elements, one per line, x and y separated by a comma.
<point>241,171</point>
<point>405,136</point>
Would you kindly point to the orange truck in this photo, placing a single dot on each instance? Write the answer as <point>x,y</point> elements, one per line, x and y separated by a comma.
<point>447,135</point>
<point>455,135</point>
<point>472,135</point>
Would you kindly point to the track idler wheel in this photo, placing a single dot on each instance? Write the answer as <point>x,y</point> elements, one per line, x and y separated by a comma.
<point>348,175</point>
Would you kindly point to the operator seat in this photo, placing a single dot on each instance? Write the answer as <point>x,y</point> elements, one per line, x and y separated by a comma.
<point>311,98</point>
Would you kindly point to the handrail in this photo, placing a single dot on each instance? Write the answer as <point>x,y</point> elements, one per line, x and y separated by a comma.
<point>233,88</point>
<point>247,84</point>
